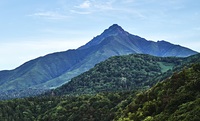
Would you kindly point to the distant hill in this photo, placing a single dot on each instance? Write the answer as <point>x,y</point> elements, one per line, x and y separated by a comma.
<point>55,69</point>
<point>129,72</point>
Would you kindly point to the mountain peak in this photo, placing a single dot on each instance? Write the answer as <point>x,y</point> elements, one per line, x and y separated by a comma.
<point>115,28</point>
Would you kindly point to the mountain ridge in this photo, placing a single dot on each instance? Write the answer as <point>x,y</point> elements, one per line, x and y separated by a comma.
<point>55,69</point>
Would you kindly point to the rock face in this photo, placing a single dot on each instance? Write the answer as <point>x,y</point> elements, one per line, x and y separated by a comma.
<point>58,68</point>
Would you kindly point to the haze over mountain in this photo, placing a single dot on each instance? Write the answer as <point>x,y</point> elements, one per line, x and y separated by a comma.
<point>58,68</point>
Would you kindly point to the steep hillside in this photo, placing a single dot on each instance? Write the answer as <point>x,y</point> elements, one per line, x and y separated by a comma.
<point>121,73</point>
<point>177,99</point>
<point>128,72</point>
<point>41,69</point>
<point>55,69</point>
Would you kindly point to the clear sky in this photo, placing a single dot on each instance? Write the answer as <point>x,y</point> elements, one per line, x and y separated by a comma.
<point>33,28</point>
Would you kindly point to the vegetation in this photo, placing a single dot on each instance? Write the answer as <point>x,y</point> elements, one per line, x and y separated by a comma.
<point>99,107</point>
<point>129,72</point>
<point>121,73</point>
<point>177,98</point>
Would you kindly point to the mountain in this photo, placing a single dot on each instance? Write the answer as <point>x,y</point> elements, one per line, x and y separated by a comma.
<point>174,99</point>
<point>128,72</point>
<point>117,38</point>
<point>55,69</point>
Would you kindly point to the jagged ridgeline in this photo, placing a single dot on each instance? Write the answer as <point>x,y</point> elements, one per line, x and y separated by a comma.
<point>174,99</point>
<point>130,72</point>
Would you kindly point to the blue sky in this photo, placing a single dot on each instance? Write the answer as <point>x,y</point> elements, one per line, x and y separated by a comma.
<point>33,28</point>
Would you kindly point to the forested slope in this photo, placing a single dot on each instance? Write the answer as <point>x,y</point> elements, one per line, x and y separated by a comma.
<point>129,72</point>
<point>177,98</point>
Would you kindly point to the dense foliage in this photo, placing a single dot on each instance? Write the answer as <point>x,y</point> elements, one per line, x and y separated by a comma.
<point>5,95</point>
<point>122,73</point>
<point>177,98</point>
<point>99,107</point>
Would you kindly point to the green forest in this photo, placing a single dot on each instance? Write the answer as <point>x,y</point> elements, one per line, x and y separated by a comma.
<point>175,99</point>
<point>120,73</point>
